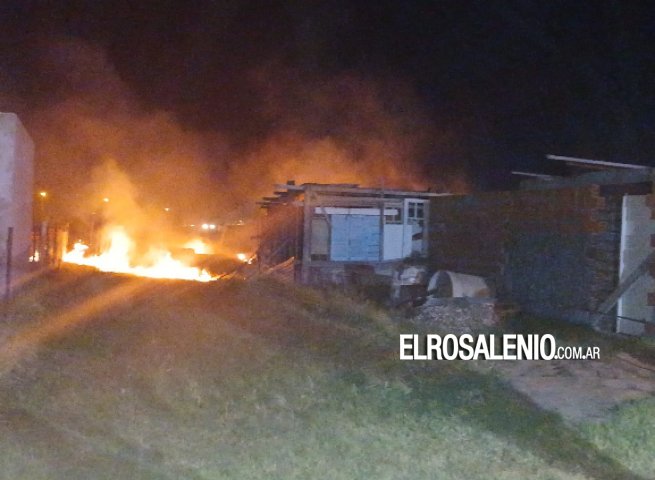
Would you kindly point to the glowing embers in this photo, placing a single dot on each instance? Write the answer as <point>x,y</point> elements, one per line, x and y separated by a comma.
<point>118,257</point>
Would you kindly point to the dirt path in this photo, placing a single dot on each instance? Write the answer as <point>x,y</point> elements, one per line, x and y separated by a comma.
<point>581,390</point>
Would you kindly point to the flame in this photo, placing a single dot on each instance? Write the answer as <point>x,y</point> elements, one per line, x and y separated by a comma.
<point>244,257</point>
<point>117,258</point>
<point>198,246</point>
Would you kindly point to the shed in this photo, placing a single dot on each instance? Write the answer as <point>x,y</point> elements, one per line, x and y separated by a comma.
<point>331,230</point>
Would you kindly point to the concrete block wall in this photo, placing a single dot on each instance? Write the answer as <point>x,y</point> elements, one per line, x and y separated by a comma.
<point>469,233</point>
<point>563,250</point>
<point>551,251</point>
<point>16,193</point>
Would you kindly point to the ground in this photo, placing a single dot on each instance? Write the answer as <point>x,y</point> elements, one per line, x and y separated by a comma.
<point>582,391</point>
<point>104,376</point>
<point>577,390</point>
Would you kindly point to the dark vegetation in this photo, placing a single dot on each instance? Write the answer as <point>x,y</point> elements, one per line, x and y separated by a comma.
<point>105,376</point>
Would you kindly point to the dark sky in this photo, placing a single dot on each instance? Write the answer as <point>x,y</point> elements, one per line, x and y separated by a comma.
<point>508,81</point>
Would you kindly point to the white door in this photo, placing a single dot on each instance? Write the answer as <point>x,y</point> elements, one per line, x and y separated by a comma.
<point>637,228</point>
<point>415,218</point>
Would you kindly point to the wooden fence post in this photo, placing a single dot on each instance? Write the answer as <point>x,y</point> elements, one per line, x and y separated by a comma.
<point>10,242</point>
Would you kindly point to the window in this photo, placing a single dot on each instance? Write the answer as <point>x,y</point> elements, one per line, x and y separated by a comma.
<point>415,234</point>
<point>393,216</point>
<point>320,243</point>
<point>415,213</point>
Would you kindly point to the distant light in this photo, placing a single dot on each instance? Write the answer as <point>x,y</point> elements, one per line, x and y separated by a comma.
<point>167,209</point>
<point>212,226</point>
<point>192,225</point>
<point>205,226</point>
<point>106,200</point>
<point>43,194</point>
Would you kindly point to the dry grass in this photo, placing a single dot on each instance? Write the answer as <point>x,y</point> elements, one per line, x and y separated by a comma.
<point>259,380</point>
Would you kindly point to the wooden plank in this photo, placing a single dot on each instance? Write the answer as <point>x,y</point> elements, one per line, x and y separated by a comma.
<point>353,190</point>
<point>623,287</point>
<point>10,253</point>
<point>302,187</point>
<point>307,237</point>
<point>426,229</point>
<point>298,231</point>
<point>381,227</point>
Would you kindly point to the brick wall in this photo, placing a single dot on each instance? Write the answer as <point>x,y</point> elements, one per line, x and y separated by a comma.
<point>469,233</point>
<point>551,251</point>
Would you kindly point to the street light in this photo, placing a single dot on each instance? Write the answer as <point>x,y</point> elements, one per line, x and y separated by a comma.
<point>43,195</point>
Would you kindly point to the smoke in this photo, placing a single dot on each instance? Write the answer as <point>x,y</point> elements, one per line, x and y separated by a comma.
<point>91,117</point>
<point>339,129</point>
<point>95,139</point>
<point>146,224</point>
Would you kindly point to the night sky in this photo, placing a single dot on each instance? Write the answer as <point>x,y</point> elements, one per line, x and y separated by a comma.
<point>500,84</point>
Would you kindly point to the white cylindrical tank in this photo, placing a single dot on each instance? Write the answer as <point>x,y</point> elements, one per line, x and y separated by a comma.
<point>446,284</point>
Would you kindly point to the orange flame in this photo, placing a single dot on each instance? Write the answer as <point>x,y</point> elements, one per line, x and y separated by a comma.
<point>118,258</point>
<point>245,258</point>
<point>198,246</point>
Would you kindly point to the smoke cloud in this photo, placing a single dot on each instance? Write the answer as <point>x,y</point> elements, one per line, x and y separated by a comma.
<point>95,139</point>
<point>91,117</point>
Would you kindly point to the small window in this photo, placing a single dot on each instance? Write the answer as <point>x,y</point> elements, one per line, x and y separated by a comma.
<point>415,213</point>
<point>419,210</point>
<point>394,218</point>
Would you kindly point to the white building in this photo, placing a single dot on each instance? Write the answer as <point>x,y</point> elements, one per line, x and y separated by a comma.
<point>16,190</point>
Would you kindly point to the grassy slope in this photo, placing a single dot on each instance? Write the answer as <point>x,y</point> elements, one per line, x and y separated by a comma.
<point>262,380</point>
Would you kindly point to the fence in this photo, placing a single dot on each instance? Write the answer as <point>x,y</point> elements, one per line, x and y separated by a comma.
<point>49,244</point>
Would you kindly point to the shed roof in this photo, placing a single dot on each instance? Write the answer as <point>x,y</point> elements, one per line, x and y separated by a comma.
<point>286,193</point>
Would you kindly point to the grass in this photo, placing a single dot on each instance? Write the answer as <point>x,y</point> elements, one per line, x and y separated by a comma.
<point>628,436</point>
<point>642,348</point>
<point>266,380</point>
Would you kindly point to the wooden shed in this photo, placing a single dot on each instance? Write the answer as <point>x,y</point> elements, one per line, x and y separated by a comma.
<point>331,230</point>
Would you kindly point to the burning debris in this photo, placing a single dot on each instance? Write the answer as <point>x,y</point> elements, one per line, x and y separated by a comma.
<point>245,258</point>
<point>119,257</point>
<point>132,234</point>
<point>199,247</point>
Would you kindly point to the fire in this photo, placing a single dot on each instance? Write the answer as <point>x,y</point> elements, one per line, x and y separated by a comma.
<point>158,263</point>
<point>198,246</point>
<point>245,258</point>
